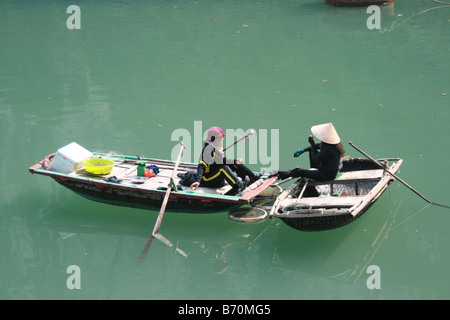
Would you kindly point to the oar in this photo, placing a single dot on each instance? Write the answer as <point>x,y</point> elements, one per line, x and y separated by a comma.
<point>241,138</point>
<point>167,242</point>
<point>163,208</point>
<point>395,176</point>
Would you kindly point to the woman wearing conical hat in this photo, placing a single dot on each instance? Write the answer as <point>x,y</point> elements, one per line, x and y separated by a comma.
<point>325,157</point>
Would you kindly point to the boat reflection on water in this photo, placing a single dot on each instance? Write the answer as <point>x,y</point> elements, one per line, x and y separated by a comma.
<point>180,232</point>
<point>341,254</point>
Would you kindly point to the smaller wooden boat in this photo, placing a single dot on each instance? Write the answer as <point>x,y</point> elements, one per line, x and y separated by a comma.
<point>314,205</point>
<point>123,187</point>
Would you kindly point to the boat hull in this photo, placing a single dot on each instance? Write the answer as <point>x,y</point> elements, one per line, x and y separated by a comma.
<point>144,199</point>
<point>324,221</point>
<point>150,197</point>
<point>328,216</point>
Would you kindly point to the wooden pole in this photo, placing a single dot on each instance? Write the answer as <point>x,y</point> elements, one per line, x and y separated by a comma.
<point>163,208</point>
<point>241,138</point>
<point>396,177</point>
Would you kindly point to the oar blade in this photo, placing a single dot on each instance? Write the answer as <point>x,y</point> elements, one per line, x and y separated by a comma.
<point>145,250</point>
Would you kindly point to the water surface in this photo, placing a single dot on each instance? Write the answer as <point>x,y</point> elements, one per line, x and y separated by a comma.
<point>137,71</point>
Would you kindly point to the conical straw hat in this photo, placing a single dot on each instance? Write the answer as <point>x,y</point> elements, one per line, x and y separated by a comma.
<point>326,133</point>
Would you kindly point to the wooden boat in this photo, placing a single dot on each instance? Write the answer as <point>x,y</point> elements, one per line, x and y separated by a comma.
<point>148,193</point>
<point>314,205</point>
<point>305,205</point>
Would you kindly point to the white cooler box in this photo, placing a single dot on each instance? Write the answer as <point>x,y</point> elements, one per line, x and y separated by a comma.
<point>67,157</point>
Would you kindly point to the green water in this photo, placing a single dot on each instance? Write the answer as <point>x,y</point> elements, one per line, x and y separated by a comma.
<point>137,71</point>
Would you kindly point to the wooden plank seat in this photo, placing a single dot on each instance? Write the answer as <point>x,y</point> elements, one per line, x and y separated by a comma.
<point>324,202</point>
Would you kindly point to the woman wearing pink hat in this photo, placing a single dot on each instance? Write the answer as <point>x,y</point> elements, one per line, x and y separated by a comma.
<point>213,168</point>
<point>325,157</point>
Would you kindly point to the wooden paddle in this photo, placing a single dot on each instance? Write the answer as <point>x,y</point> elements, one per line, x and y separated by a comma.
<point>395,176</point>
<point>163,208</point>
<point>241,138</point>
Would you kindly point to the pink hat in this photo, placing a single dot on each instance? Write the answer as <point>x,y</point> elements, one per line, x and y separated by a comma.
<point>215,132</point>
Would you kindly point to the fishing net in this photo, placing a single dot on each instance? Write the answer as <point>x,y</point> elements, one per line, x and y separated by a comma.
<point>267,197</point>
<point>296,206</point>
<point>109,154</point>
<point>346,189</point>
<point>271,191</point>
<point>247,214</point>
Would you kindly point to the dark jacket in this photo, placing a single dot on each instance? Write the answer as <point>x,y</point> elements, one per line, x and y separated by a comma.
<point>328,160</point>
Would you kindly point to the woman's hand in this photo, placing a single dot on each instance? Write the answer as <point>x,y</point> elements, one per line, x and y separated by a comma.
<point>195,185</point>
<point>298,153</point>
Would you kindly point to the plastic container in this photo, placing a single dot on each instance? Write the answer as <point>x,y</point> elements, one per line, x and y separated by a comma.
<point>98,165</point>
<point>141,169</point>
<point>67,158</point>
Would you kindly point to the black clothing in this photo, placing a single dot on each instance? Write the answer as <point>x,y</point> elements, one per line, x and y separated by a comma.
<point>242,171</point>
<point>212,169</point>
<point>327,161</point>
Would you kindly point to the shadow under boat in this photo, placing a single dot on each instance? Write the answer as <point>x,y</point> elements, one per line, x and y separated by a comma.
<point>117,221</point>
<point>340,254</point>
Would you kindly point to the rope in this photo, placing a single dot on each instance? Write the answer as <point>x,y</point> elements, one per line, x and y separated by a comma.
<point>411,216</point>
<point>442,2</point>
